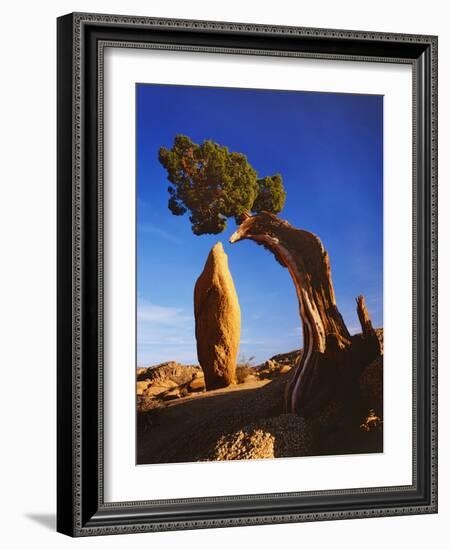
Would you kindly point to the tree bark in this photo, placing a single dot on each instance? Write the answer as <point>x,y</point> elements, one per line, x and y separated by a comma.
<point>331,358</point>
<point>364,318</point>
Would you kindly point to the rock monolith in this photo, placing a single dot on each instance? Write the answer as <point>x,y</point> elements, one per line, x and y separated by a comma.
<point>217,321</point>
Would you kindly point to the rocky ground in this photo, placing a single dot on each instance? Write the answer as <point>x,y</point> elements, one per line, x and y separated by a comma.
<point>178,421</point>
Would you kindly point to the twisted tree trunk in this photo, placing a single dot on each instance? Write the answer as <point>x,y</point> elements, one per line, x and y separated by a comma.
<point>331,360</point>
<point>363,315</point>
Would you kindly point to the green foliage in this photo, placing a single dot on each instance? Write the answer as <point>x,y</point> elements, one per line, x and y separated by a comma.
<point>271,195</point>
<point>214,184</point>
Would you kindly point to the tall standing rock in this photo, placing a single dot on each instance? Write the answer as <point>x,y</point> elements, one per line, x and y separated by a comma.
<point>217,320</point>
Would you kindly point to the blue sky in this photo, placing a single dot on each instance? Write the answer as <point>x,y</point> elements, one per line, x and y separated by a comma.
<point>329,150</point>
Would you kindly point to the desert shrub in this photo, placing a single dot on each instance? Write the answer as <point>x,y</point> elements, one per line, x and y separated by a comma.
<point>244,369</point>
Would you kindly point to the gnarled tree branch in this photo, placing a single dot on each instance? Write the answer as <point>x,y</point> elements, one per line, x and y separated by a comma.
<point>331,357</point>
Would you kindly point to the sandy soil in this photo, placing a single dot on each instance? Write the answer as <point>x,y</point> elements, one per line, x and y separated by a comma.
<point>186,429</point>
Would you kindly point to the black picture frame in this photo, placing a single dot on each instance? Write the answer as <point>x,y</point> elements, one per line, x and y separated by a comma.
<point>81,509</point>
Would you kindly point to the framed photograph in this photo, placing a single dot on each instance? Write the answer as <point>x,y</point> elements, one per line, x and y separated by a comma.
<point>204,381</point>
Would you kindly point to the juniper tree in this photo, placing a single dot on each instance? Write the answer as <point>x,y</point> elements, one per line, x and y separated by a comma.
<point>214,184</point>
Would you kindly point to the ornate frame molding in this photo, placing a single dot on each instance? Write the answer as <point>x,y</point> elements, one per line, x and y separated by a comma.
<point>81,510</point>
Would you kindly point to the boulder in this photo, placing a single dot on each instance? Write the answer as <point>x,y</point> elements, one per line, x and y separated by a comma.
<point>197,384</point>
<point>160,387</point>
<point>271,365</point>
<point>217,321</point>
<point>172,395</point>
<point>286,435</point>
<point>142,385</point>
<point>169,371</point>
<point>270,369</point>
<point>140,372</point>
<point>290,358</point>
<point>285,369</point>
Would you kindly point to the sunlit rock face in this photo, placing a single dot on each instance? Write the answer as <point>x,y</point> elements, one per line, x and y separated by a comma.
<point>217,321</point>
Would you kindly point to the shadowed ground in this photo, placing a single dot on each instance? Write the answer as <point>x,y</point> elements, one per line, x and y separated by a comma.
<point>221,424</point>
<point>185,430</point>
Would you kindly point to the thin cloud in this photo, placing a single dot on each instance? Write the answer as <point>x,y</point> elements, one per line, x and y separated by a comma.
<point>164,333</point>
<point>159,232</point>
<point>163,315</point>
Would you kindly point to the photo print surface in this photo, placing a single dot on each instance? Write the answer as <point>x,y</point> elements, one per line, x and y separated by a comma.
<point>259,273</point>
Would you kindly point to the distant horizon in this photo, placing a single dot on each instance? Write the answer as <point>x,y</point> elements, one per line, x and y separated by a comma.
<point>329,149</point>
